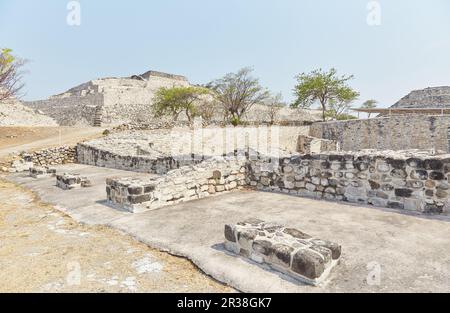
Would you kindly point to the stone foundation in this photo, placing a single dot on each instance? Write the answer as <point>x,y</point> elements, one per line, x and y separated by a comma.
<point>180,185</point>
<point>286,250</point>
<point>71,181</point>
<point>41,172</point>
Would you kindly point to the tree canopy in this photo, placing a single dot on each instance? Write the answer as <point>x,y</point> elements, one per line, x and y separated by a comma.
<point>173,101</point>
<point>237,93</point>
<point>10,74</point>
<point>369,104</point>
<point>326,88</point>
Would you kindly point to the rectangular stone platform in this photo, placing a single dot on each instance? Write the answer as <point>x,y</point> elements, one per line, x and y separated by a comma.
<point>69,181</point>
<point>286,250</point>
<point>184,184</point>
<point>41,172</point>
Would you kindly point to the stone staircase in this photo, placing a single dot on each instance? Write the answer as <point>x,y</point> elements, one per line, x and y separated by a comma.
<point>98,116</point>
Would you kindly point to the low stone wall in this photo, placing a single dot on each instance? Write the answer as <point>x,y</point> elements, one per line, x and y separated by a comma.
<point>51,156</point>
<point>184,184</point>
<point>286,250</point>
<point>89,155</point>
<point>412,182</point>
<point>388,133</point>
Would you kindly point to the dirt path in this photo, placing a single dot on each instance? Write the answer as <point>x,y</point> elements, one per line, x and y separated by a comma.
<point>17,139</point>
<point>41,250</point>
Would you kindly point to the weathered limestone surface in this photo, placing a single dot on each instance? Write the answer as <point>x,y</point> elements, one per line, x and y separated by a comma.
<point>187,183</point>
<point>40,172</point>
<point>286,250</point>
<point>409,181</point>
<point>69,181</point>
<point>387,133</point>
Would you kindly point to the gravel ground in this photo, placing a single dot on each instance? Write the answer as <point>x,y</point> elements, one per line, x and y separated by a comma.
<point>42,250</point>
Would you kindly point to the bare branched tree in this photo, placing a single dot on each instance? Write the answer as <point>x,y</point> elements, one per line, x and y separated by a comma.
<point>238,92</point>
<point>11,75</point>
<point>274,105</point>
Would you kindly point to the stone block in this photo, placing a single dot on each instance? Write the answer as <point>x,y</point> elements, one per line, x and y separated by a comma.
<point>68,181</point>
<point>41,172</point>
<point>286,250</point>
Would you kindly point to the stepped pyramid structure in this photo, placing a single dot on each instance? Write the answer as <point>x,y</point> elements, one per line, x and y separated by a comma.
<point>432,97</point>
<point>108,101</point>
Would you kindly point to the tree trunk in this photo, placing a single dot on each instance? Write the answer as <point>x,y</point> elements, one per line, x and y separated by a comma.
<point>323,110</point>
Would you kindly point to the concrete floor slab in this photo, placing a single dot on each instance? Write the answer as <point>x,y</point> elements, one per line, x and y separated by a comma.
<point>383,250</point>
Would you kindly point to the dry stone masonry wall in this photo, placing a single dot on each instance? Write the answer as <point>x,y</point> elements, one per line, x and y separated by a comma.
<point>184,184</point>
<point>409,181</point>
<point>387,133</point>
<point>51,156</point>
<point>286,250</point>
<point>412,180</point>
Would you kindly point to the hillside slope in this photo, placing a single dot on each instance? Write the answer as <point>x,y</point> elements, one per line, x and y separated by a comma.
<point>14,113</point>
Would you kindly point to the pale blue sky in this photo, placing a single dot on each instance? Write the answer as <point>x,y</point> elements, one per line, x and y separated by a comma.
<point>204,39</point>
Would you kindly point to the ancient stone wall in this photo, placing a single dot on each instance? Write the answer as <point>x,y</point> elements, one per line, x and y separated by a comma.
<point>160,151</point>
<point>388,133</point>
<point>184,184</point>
<point>411,182</point>
<point>90,155</point>
<point>51,156</point>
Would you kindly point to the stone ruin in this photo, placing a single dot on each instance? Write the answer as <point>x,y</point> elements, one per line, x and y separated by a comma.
<point>42,172</point>
<point>68,181</point>
<point>286,250</point>
<point>184,184</point>
<point>308,164</point>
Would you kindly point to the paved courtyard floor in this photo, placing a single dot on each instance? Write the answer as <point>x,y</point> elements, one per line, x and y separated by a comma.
<point>383,250</point>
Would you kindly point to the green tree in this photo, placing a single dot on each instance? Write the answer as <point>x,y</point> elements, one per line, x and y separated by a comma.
<point>339,107</point>
<point>10,74</point>
<point>173,101</point>
<point>323,88</point>
<point>369,104</point>
<point>237,93</point>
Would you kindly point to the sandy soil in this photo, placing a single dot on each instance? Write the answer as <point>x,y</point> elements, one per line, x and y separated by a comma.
<point>16,139</point>
<point>41,250</point>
